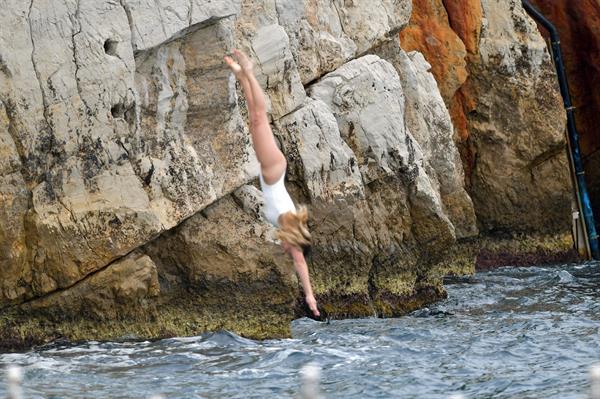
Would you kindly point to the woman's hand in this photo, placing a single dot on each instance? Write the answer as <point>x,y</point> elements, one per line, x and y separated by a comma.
<point>302,272</point>
<point>244,61</point>
<point>312,305</point>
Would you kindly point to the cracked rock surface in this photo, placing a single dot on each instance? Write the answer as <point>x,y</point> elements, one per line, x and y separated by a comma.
<point>499,83</point>
<point>128,185</point>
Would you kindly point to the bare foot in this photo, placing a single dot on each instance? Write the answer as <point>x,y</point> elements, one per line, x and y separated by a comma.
<point>234,66</point>
<point>244,61</point>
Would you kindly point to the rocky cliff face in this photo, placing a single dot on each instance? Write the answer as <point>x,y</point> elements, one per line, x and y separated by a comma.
<point>577,23</point>
<point>129,196</point>
<point>506,108</point>
<point>580,43</point>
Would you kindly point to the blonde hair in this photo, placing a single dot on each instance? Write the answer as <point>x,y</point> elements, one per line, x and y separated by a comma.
<point>293,228</point>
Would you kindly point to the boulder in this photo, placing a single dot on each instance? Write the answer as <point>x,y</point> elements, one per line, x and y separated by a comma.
<point>123,289</point>
<point>395,220</point>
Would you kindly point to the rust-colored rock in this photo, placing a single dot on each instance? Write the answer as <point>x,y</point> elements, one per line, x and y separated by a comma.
<point>429,32</point>
<point>465,19</point>
<point>447,33</point>
<point>491,65</point>
<point>459,106</point>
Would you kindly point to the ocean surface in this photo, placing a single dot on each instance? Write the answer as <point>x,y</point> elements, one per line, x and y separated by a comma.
<point>510,333</point>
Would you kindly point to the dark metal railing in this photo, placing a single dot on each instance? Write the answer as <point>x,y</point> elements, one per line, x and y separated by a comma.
<point>585,205</point>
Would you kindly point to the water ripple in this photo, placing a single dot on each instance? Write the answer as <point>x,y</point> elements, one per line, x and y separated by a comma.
<point>510,333</point>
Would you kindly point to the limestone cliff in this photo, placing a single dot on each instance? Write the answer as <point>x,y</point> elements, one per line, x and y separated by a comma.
<point>128,182</point>
<point>577,24</point>
<point>499,84</point>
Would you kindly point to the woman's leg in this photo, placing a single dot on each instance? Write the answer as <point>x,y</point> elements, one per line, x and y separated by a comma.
<point>272,161</point>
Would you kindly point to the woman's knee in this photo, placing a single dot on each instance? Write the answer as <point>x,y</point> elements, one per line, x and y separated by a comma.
<point>273,172</point>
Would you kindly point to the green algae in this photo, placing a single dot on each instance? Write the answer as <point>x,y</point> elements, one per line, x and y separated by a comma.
<point>20,331</point>
<point>265,309</point>
<point>489,251</point>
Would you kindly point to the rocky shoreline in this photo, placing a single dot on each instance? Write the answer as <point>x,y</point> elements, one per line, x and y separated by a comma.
<point>128,183</point>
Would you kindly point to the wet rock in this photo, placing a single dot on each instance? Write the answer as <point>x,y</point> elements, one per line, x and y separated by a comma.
<point>525,250</point>
<point>222,266</point>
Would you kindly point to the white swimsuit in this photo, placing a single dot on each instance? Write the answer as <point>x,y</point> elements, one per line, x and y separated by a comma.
<point>277,199</point>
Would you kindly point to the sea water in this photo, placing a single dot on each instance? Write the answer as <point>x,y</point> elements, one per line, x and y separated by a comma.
<point>510,333</point>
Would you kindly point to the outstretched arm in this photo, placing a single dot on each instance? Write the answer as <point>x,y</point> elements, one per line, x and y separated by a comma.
<point>302,272</point>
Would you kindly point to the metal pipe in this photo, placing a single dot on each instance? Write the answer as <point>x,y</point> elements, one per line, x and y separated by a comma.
<point>585,203</point>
